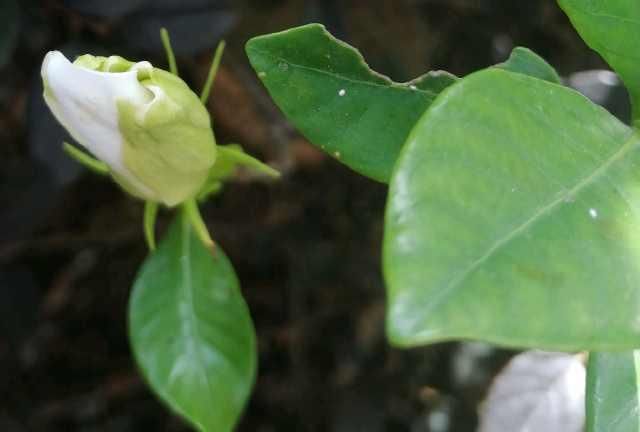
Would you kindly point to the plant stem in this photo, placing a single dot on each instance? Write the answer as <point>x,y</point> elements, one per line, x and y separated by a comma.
<point>150,215</point>
<point>191,211</point>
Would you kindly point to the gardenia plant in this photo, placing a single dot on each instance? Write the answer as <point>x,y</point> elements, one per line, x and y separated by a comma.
<point>513,211</point>
<point>190,329</point>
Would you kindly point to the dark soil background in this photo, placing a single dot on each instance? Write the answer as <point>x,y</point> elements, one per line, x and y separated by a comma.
<point>306,248</point>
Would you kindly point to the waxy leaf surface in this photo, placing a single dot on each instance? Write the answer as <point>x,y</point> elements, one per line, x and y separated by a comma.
<point>513,218</point>
<point>328,92</point>
<point>612,28</point>
<point>613,392</point>
<point>191,332</point>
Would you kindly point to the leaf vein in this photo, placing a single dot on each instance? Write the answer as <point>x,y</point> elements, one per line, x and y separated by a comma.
<point>188,284</point>
<point>631,144</point>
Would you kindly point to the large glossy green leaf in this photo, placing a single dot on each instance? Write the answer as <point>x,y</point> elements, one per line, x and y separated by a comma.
<point>191,332</point>
<point>328,92</point>
<point>513,217</point>
<point>612,27</point>
<point>613,392</point>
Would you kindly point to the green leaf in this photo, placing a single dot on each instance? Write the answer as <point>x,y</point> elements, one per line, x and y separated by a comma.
<point>524,61</point>
<point>613,387</point>
<point>513,218</point>
<point>232,156</point>
<point>191,332</point>
<point>328,92</point>
<point>612,28</point>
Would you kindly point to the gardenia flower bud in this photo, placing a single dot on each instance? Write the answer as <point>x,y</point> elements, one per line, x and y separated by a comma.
<point>144,123</point>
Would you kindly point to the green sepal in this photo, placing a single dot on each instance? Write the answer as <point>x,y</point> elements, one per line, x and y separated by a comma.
<point>171,57</point>
<point>213,71</point>
<point>85,160</point>
<point>229,158</point>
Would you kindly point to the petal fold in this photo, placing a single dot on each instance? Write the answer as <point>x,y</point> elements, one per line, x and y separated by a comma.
<point>85,101</point>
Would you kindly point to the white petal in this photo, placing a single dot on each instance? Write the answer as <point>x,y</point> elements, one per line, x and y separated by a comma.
<point>85,102</point>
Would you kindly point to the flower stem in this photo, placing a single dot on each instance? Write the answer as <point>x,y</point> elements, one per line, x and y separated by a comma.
<point>213,70</point>
<point>191,211</point>
<point>166,42</point>
<point>150,215</point>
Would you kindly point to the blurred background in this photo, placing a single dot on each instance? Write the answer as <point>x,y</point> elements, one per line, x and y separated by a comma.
<point>306,248</point>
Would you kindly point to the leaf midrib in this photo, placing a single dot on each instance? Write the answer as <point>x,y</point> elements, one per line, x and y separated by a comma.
<point>389,85</point>
<point>187,280</point>
<point>630,144</point>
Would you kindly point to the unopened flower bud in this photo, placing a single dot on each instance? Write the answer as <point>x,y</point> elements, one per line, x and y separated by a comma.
<point>144,123</point>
